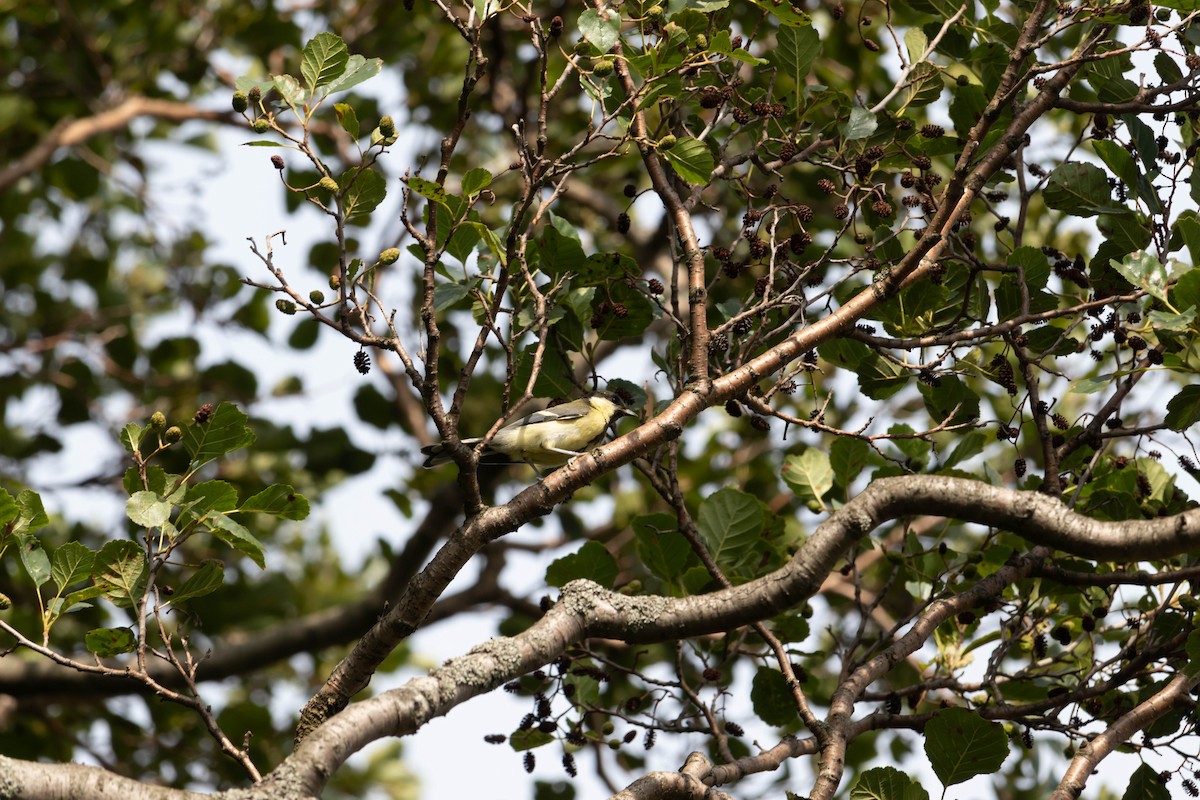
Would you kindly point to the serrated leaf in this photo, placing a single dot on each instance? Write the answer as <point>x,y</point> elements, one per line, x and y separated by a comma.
<point>1144,271</point>
<point>289,89</point>
<point>730,523</point>
<point>860,125</point>
<point>145,509</point>
<point>358,69</point>
<point>279,500</point>
<point>924,85</point>
<point>592,562</point>
<point>238,537</point>
<point>72,562</point>
<point>1080,189</point>
<point>324,60</point>
<point>1166,321</point>
<point>810,474</point>
<point>960,745</point>
<point>361,193</point>
<point>224,432</point>
<point>347,118</point>
<point>1144,783</point>
<point>692,160</point>
<point>109,642</point>
<point>1183,410</point>
<point>431,191</point>
<point>206,580</point>
<point>600,28</point>
<point>30,516</point>
<point>796,49</point>
<point>887,783</point>
<point>120,568</point>
<point>131,436</point>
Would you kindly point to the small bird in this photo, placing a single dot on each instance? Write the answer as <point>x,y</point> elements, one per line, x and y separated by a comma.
<point>546,438</point>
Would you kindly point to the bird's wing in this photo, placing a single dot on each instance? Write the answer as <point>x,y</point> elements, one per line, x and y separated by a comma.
<point>560,413</point>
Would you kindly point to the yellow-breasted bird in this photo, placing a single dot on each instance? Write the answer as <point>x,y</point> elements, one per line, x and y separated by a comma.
<point>546,438</point>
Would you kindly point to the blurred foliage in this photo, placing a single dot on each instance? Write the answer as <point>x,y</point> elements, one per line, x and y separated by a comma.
<point>793,158</point>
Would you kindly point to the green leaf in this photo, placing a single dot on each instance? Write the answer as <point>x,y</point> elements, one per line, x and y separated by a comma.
<point>1183,410</point>
<point>661,547</point>
<point>72,562</point>
<point>601,268</point>
<point>691,159</point>
<point>147,510</point>
<point>1144,271</point>
<point>796,49</point>
<point>1145,784</point>
<point>1185,293</point>
<point>785,13</point>
<point>924,84</point>
<point>358,69</point>
<point>1192,648</point>
<point>880,378</point>
<point>639,311</point>
<point>8,509</point>
<point>224,432</point>
<point>969,445</point>
<point>916,43</point>
<point>772,699</point>
<point>131,436</point>
<point>206,580</point>
<point>289,89</point>
<point>362,192</point>
<point>848,456</point>
<point>529,739</point>
<point>951,401</point>
<point>1165,321</point>
<point>347,118</point>
<point>810,474</point>
<point>30,516</point>
<point>1080,189</point>
<point>887,783</point>
<point>34,558</point>
<point>237,537</point>
<point>592,562</point>
<point>324,60</point>
<point>730,524</point>
<point>860,125</point>
<point>1092,385</point>
<point>109,642</point>
<point>279,500</point>
<point>1188,228</point>
<point>555,378</point>
<point>475,180</point>
<point>204,498</point>
<point>960,745</point>
<point>559,254</point>
<point>600,29</point>
<point>120,568</point>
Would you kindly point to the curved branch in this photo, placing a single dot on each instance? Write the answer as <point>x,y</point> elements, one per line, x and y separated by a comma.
<point>70,132</point>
